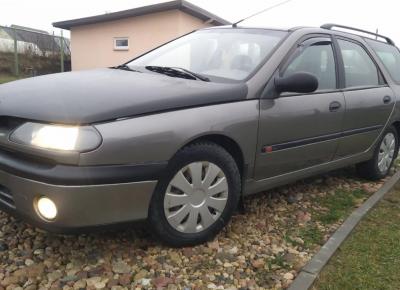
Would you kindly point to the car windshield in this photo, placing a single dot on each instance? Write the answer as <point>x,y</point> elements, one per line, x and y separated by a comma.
<point>226,53</point>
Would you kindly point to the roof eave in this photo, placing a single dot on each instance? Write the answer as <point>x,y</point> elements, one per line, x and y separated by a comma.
<point>177,4</point>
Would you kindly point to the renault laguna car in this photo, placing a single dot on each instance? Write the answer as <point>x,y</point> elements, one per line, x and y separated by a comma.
<point>180,134</point>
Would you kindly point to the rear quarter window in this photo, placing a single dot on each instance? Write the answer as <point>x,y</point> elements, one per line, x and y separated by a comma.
<point>390,57</point>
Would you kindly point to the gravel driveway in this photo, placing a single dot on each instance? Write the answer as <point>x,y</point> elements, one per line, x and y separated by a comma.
<point>261,249</point>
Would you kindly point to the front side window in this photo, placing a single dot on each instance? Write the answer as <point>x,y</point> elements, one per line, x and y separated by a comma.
<point>389,55</point>
<point>360,70</point>
<point>225,53</point>
<point>317,59</point>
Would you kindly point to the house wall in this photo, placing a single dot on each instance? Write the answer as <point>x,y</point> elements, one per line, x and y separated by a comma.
<point>92,46</point>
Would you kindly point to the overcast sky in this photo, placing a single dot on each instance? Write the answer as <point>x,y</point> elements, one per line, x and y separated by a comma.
<point>367,14</point>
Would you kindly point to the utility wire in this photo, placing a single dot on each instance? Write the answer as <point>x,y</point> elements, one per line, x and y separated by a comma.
<point>265,10</point>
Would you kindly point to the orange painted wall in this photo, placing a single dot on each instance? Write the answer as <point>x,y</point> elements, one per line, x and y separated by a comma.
<point>92,46</point>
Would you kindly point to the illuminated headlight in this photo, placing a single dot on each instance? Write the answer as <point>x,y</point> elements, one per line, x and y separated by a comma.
<point>46,208</point>
<point>57,137</point>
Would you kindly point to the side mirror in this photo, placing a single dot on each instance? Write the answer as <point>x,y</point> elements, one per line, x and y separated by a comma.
<point>300,82</point>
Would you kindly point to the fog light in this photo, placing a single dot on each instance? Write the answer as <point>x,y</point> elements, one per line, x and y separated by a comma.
<point>47,208</point>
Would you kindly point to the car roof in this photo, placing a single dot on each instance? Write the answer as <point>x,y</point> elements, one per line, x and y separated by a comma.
<point>333,29</point>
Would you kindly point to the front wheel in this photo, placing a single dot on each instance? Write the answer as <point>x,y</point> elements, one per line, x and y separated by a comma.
<point>385,153</point>
<point>196,197</point>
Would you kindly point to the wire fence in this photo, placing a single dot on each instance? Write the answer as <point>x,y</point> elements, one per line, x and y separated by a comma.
<point>26,52</point>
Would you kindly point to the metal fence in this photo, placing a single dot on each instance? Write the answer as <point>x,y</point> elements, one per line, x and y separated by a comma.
<point>26,52</point>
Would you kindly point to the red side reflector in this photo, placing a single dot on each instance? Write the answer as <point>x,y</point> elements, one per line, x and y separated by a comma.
<point>268,149</point>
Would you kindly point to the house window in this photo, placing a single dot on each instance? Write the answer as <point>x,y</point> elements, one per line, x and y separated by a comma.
<point>121,43</point>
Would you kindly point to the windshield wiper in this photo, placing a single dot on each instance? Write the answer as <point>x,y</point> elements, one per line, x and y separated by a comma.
<point>125,67</point>
<point>177,72</point>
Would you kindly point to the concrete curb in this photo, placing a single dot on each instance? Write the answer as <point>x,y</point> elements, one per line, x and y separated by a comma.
<point>310,272</point>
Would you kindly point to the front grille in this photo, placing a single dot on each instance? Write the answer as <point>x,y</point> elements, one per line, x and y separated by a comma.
<point>6,197</point>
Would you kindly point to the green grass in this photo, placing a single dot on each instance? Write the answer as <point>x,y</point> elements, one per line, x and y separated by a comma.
<point>334,209</point>
<point>311,236</point>
<point>7,78</point>
<point>370,258</point>
<point>339,205</point>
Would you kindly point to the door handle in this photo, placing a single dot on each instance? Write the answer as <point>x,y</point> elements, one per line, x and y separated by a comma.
<point>334,106</point>
<point>387,99</point>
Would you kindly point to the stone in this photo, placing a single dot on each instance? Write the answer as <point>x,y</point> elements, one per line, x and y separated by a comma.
<point>172,287</point>
<point>9,281</point>
<point>100,285</point>
<point>303,217</point>
<point>145,282</point>
<point>233,251</point>
<point>125,279</point>
<point>53,276</point>
<point>140,275</point>
<point>214,245</point>
<point>227,265</point>
<point>175,257</point>
<point>258,264</point>
<point>80,284</point>
<point>31,287</point>
<point>121,268</point>
<point>288,276</point>
<point>111,283</point>
<point>91,282</point>
<point>29,262</point>
<point>3,247</point>
<point>188,252</point>
<point>162,282</point>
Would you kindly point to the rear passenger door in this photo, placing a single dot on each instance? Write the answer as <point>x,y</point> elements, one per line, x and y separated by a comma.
<point>369,100</point>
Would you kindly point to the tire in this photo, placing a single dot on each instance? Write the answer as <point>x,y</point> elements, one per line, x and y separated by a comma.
<point>371,169</point>
<point>190,224</point>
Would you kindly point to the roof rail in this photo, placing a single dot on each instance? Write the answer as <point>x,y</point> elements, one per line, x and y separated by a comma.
<point>331,25</point>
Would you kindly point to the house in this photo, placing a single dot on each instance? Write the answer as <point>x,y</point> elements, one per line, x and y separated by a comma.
<point>114,38</point>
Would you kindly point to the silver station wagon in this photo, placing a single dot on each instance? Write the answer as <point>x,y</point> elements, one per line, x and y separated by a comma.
<point>180,134</point>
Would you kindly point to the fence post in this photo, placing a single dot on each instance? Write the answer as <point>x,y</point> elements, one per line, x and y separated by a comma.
<point>16,61</point>
<point>62,51</point>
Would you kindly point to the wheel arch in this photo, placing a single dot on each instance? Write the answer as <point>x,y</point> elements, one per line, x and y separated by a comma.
<point>396,125</point>
<point>229,144</point>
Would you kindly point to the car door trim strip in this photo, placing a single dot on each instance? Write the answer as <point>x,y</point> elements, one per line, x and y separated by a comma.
<point>312,140</point>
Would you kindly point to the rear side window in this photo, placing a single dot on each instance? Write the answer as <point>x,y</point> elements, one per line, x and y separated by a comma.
<point>389,55</point>
<point>318,60</point>
<point>360,70</point>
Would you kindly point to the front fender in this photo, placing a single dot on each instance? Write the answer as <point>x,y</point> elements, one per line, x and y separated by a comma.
<point>157,137</point>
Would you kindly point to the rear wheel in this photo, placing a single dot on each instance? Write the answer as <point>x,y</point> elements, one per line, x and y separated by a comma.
<point>196,197</point>
<point>385,153</point>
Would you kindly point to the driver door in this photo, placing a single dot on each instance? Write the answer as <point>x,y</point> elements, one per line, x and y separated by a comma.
<point>297,131</point>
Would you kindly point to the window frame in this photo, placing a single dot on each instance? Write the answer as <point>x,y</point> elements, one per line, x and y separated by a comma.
<point>369,42</point>
<point>309,40</point>
<point>381,78</point>
<point>120,48</point>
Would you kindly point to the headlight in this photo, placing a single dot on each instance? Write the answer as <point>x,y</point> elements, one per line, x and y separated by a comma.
<point>57,137</point>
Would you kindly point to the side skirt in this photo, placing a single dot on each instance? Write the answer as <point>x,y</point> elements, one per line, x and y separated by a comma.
<point>254,186</point>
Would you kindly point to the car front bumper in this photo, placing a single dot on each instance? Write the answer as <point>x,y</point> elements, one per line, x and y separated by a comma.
<point>86,197</point>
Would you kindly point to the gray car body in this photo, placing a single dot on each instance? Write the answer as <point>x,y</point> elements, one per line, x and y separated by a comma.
<point>147,120</point>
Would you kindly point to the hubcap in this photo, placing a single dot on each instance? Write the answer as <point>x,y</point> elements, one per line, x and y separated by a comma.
<point>386,152</point>
<point>196,197</point>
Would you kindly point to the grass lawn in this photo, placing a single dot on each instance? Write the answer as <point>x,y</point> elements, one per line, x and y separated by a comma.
<point>370,258</point>
<point>7,78</point>
<point>333,209</point>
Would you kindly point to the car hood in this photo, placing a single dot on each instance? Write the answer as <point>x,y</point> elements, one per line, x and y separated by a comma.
<point>106,94</point>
